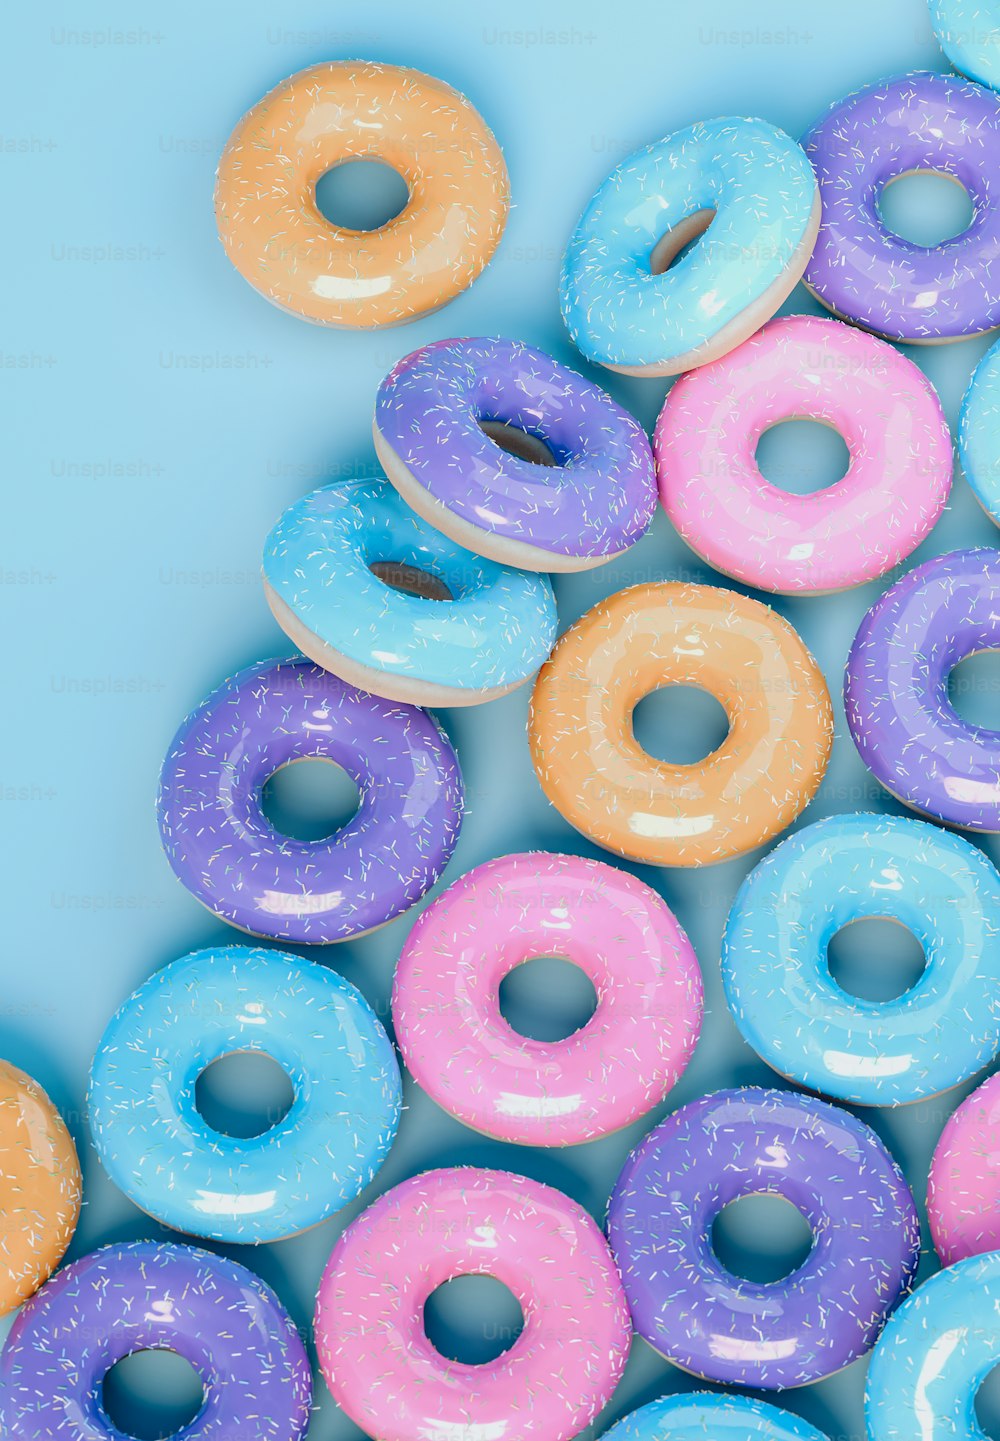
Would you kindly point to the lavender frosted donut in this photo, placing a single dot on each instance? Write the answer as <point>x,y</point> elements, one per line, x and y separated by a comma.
<point>896,689</point>
<point>513,455</point>
<point>859,268</point>
<point>225,850</point>
<point>147,1296</point>
<point>866,1238</point>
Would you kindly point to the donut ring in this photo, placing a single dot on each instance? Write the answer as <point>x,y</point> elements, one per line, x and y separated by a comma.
<point>764,774</point>
<point>375,1355</point>
<point>705,1416</point>
<point>747,190</point>
<point>968,32</point>
<point>40,1187</point>
<point>798,366</point>
<point>329,114</point>
<point>223,848</point>
<point>832,1168</point>
<point>165,1157</point>
<point>619,1065</point>
<point>963,1191</point>
<point>906,730</point>
<point>790,1009</point>
<point>863,271</point>
<point>149,1297</point>
<point>979,433</point>
<point>514,455</point>
<point>467,631</point>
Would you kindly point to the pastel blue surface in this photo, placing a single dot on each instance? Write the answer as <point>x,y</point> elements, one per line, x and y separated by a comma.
<point>979,431</point>
<point>169,414</point>
<point>707,1417</point>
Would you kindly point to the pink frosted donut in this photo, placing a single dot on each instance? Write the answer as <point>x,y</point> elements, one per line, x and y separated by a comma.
<point>963,1193</point>
<point>621,1063</point>
<point>802,367</point>
<point>377,1359</point>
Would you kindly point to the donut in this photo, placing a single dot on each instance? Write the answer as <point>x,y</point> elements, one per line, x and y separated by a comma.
<point>514,455</point>
<point>39,1187</point>
<point>598,777</point>
<point>705,1416</point>
<point>386,1374</point>
<point>331,114</point>
<point>963,1192</point>
<point>895,488</point>
<point>968,32</point>
<point>741,185</point>
<point>895,691</point>
<point>934,1355</point>
<point>374,594</point>
<point>736,1143</point>
<point>461,1050</point>
<point>150,1296</point>
<point>793,1013</point>
<point>979,433</point>
<point>863,271</point>
<point>158,1149</point>
<point>226,852</point>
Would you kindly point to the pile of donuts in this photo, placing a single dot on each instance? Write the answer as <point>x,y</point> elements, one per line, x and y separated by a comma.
<point>430,587</point>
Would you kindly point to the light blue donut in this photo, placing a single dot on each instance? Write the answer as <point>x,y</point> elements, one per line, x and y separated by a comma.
<point>492,636</point>
<point>979,433</point>
<point>704,1416</point>
<point>158,1149</point>
<point>793,1013</point>
<point>763,192</point>
<point>934,1354</point>
<point>968,32</point>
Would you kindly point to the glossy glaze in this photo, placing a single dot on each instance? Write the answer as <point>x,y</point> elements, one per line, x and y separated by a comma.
<point>762,191</point>
<point>159,1150</point>
<point>458,1045</point>
<point>896,689</point>
<point>222,846</point>
<point>933,1356</point>
<point>39,1187</point>
<point>795,1015</point>
<point>963,1192</point>
<point>882,406</point>
<point>704,1416</point>
<point>329,114</point>
<point>375,1355</point>
<point>968,32</point>
<point>750,1142</point>
<point>490,637</point>
<point>763,775</point>
<point>596,500</point>
<point>860,269</point>
<point>148,1296</point>
<point>979,433</point>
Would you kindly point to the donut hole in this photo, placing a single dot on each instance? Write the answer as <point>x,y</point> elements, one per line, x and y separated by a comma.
<point>974,689</point>
<point>802,456</point>
<point>411,580</point>
<point>152,1394</point>
<point>761,1238</point>
<point>875,959</point>
<point>243,1094</point>
<point>522,444</point>
<point>361,195</point>
<point>472,1319</point>
<point>986,1406</point>
<point>680,724</point>
<point>679,240</point>
<point>310,799</point>
<point>547,998</point>
<point>926,207</point>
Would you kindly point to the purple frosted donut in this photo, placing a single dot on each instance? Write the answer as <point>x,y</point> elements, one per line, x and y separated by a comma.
<point>832,1168</point>
<point>907,732</point>
<point>513,455</point>
<point>225,850</point>
<point>150,1297</point>
<point>860,269</point>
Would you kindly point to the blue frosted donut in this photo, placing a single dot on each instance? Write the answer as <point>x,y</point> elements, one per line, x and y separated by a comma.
<point>705,1416</point>
<point>934,1354</point>
<point>741,185</point>
<point>791,1010</point>
<point>159,1150</point>
<point>979,433</point>
<point>460,631</point>
<point>968,32</point>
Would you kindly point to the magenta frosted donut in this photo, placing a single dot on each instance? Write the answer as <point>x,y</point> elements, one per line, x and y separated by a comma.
<point>615,1068</point>
<point>963,1192</point>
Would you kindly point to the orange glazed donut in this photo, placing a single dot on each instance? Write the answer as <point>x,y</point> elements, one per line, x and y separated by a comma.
<point>273,232</point>
<point>39,1187</point>
<point>762,776</point>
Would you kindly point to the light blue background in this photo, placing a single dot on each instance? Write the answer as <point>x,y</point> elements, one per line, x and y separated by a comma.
<point>160,415</point>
